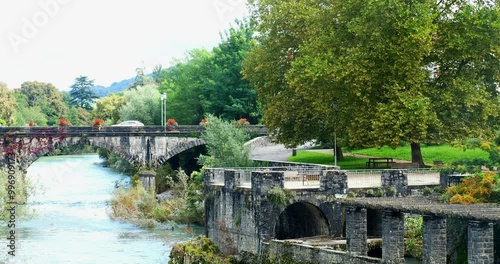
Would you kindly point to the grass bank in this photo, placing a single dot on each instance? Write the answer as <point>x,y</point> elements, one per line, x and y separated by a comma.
<point>445,153</point>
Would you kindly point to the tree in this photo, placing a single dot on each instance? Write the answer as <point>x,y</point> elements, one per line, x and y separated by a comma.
<point>227,94</point>
<point>141,79</point>
<point>142,104</point>
<point>397,71</point>
<point>225,145</point>
<point>7,104</point>
<point>184,84</point>
<point>47,98</point>
<point>108,108</point>
<point>82,94</point>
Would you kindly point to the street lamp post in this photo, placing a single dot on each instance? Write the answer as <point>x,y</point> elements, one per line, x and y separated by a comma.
<point>334,107</point>
<point>164,110</point>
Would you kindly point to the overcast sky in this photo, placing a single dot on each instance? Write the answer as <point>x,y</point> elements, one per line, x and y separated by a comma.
<point>58,40</point>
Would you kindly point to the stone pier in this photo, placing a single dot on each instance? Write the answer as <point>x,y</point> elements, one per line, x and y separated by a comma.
<point>356,230</point>
<point>480,243</point>
<point>147,179</point>
<point>393,228</point>
<point>434,236</point>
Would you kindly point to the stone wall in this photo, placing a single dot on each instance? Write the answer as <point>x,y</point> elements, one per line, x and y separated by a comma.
<point>240,219</point>
<point>396,178</point>
<point>281,252</point>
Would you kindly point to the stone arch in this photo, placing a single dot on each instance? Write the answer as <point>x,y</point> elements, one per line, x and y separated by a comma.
<point>39,150</point>
<point>179,148</point>
<point>301,219</point>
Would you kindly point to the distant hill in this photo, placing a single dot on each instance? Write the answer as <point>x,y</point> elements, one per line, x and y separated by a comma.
<point>115,87</point>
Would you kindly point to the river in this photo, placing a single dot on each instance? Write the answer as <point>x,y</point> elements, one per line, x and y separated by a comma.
<point>71,223</point>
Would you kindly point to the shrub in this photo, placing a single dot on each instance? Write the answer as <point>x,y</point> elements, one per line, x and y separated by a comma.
<point>413,236</point>
<point>475,189</point>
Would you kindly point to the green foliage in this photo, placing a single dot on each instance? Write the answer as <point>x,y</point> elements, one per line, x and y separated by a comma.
<point>108,108</point>
<point>380,73</point>
<point>164,177</point>
<point>23,190</point>
<point>391,191</point>
<point>201,250</point>
<point>280,196</point>
<point>413,236</point>
<point>134,204</point>
<point>228,95</point>
<point>474,189</point>
<point>225,145</point>
<point>143,104</point>
<point>46,97</point>
<point>82,94</point>
<point>7,104</point>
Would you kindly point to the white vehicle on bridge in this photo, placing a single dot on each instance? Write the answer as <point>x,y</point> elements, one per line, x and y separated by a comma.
<point>130,123</point>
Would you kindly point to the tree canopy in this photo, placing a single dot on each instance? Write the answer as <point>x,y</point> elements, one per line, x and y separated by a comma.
<point>82,94</point>
<point>376,72</point>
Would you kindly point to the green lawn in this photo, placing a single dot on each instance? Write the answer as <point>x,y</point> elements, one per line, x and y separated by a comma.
<point>444,153</point>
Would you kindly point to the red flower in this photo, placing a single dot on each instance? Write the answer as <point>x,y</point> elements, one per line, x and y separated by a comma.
<point>98,122</point>
<point>63,122</point>
<point>171,122</point>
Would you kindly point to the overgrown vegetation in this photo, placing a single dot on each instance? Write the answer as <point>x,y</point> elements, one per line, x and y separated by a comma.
<point>479,188</point>
<point>201,250</point>
<point>414,236</point>
<point>280,196</point>
<point>23,190</point>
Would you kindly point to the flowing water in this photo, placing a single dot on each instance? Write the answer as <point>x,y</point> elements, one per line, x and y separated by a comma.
<point>71,223</point>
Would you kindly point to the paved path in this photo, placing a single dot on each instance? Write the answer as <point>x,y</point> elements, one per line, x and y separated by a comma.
<point>278,152</point>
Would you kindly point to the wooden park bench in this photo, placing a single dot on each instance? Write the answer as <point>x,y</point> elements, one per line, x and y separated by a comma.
<point>374,163</point>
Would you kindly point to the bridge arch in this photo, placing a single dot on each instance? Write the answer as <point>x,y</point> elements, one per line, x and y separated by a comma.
<point>301,219</point>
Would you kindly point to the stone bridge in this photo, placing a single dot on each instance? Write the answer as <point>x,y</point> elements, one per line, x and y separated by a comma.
<point>276,212</point>
<point>141,146</point>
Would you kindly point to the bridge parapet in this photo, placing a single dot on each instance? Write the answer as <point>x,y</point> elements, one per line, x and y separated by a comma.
<point>190,130</point>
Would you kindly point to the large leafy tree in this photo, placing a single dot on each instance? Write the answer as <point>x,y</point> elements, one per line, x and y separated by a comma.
<point>82,94</point>
<point>142,104</point>
<point>108,108</point>
<point>183,83</point>
<point>227,94</point>
<point>377,72</point>
<point>7,104</point>
<point>46,97</point>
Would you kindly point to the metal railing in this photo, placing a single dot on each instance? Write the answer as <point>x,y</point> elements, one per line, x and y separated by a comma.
<point>364,178</point>
<point>418,177</point>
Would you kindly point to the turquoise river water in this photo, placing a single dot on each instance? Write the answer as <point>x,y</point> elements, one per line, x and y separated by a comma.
<point>71,224</point>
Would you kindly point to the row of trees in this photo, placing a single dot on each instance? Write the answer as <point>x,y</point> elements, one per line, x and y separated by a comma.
<point>376,72</point>
<point>44,104</point>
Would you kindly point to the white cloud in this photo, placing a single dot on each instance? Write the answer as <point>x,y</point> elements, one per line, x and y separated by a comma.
<point>58,40</point>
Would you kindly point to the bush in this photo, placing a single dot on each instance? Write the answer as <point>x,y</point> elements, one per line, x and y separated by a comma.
<point>475,189</point>
<point>413,236</point>
<point>201,250</point>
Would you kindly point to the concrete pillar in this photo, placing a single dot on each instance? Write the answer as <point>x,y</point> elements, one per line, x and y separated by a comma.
<point>148,179</point>
<point>356,230</point>
<point>480,248</point>
<point>434,240</point>
<point>396,178</point>
<point>393,228</point>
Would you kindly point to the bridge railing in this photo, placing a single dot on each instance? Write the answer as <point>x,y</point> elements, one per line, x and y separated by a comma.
<point>364,178</point>
<point>115,130</point>
<point>373,178</point>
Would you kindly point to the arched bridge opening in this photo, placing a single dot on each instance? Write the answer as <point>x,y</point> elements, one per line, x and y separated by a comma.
<point>301,219</point>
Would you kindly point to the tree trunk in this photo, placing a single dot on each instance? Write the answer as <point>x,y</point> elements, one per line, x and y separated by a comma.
<point>416,154</point>
<point>339,153</point>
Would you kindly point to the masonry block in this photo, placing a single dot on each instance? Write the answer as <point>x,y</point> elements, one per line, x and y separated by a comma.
<point>356,230</point>
<point>480,247</point>
<point>434,241</point>
<point>396,178</point>
<point>393,228</point>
